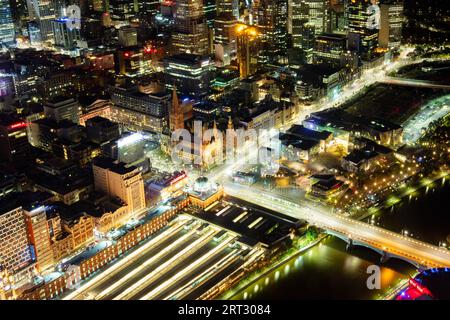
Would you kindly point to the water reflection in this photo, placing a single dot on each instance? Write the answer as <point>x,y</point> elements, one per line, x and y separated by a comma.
<point>327,272</point>
<point>423,216</point>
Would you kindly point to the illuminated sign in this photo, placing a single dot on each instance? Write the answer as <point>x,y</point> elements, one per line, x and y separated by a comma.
<point>18,125</point>
<point>420,288</point>
<point>178,179</point>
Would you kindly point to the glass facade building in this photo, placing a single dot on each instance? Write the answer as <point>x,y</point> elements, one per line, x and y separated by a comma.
<point>7,33</point>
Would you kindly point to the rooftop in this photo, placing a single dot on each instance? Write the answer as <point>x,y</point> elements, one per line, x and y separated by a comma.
<point>186,58</point>
<point>339,118</point>
<point>88,253</point>
<point>327,185</point>
<point>301,131</point>
<point>297,142</point>
<point>7,119</point>
<point>113,165</point>
<point>28,200</point>
<point>255,224</point>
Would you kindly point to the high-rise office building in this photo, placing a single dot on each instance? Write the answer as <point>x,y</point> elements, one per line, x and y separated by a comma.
<point>191,30</point>
<point>363,26</point>
<point>391,22</point>
<point>19,12</point>
<point>248,40</point>
<point>224,38</point>
<point>65,37</point>
<point>128,36</point>
<point>62,108</point>
<point>39,236</point>
<point>117,180</point>
<point>123,10</point>
<point>43,13</point>
<point>330,49</point>
<point>210,11</point>
<point>191,74</point>
<point>298,15</point>
<point>148,7</point>
<point>7,33</point>
<point>314,12</point>
<point>318,14</point>
<point>271,17</point>
<point>228,7</point>
<point>306,19</point>
<point>308,36</point>
<point>14,248</point>
<point>336,17</point>
<point>14,145</point>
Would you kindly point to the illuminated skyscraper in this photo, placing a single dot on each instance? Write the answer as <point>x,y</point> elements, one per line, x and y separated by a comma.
<point>224,38</point>
<point>14,145</point>
<point>191,74</point>
<point>148,7</point>
<point>271,20</point>
<point>210,10</point>
<point>43,12</point>
<point>7,34</point>
<point>191,30</point>
<point>313,12</point>
<point>117,180</point>
<point>306,19</point>
<point>15,253</point>
<point>363,26</point>
<point>391,22</point>
<point>39,236</point>
<point>318,14</point>
<point>248,41</point>
<point>123,10</point>
<point>336,17</point>
<point>230,7</point>
<point>298,15</point>
<point>64,37</point>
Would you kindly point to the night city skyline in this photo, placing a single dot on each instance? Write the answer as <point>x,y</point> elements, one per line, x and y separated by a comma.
<point>233,150</point>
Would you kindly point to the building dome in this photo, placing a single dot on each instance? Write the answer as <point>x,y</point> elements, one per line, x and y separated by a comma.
<point>202,185</point>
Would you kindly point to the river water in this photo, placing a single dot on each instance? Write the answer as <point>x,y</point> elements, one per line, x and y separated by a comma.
<point>329,271</point>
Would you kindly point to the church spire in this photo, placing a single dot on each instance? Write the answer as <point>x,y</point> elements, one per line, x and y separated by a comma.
<point>230,123</point>
<point>175,101</point>
<point>176,116</point>
<point>215,131</point>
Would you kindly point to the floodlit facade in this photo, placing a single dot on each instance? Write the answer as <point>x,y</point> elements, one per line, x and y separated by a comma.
<point>248,48</point>
<point>39,236</point>
<point>391,24</point>
<point>191,31</point>
<point>15,255</point>
<point>118,181</point>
